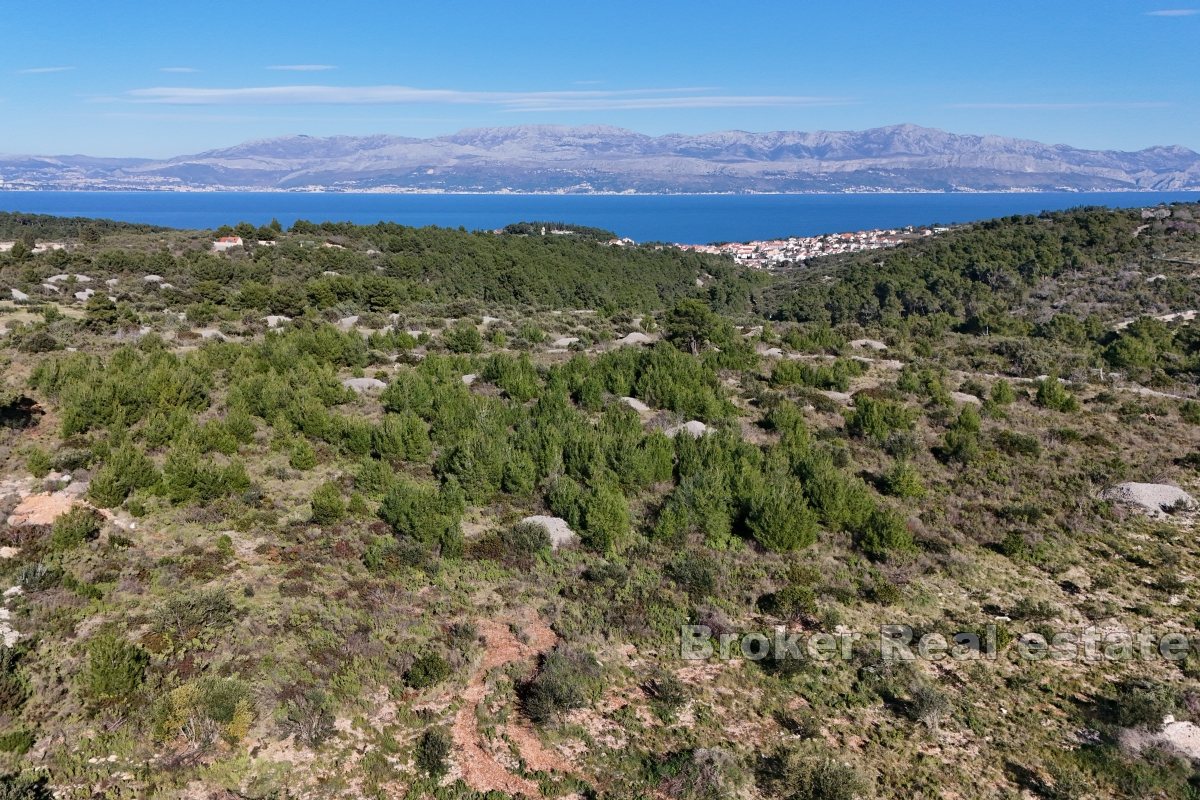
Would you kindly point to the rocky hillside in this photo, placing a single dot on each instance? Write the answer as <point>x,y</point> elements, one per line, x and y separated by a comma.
<point>600,158</point>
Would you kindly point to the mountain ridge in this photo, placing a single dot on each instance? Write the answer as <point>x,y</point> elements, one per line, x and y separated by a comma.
<point>602,158</point>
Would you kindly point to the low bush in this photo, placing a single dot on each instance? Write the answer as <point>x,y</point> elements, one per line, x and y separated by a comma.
<point>433,752</point>
<point>114,668</point>
<point>567,679</point>
<point>327,505</point>
<point>885,535</point>
<point>16,742</point>
<point>428,670</point>
<point>1053,394</point>
<point>75,527</point>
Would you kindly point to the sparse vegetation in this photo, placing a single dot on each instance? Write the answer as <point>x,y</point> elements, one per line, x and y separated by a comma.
<point>292,563</point>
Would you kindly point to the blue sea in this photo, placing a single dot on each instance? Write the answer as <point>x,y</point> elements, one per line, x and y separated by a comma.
<point>691,219</point>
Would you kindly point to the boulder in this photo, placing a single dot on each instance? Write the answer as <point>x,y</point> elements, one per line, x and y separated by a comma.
<point>694,428</point>
<point>1152,498</point>
<point>557,529</point>
<point>361,385</point>
<point>635,338</point>
<point>635,404</point>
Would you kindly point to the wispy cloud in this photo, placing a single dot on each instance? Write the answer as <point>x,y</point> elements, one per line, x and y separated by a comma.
<point>43,70</point>
<point>178,69</point>
<point>1059,106</point>
<point>703,101</point>
<point>302,67</point>
<point>576,100</point>
<point>1174,12</point>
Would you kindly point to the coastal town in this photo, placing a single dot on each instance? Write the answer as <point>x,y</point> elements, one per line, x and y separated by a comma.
<point>778,253</point>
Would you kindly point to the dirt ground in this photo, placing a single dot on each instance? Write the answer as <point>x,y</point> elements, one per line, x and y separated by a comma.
<point>479,766</point>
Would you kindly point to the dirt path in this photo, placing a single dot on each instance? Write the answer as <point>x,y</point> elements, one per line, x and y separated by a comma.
<point>481,770</point>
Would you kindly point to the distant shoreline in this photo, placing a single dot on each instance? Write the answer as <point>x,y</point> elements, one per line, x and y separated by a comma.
<point>463,193</point>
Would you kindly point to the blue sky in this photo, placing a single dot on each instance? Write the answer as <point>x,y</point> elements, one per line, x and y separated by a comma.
<point>164,78</point>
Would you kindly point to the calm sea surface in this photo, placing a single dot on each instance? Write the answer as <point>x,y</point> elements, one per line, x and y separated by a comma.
<point>674,218</point>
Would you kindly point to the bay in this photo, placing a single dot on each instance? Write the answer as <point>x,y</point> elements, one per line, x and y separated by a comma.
<point>692,219</point>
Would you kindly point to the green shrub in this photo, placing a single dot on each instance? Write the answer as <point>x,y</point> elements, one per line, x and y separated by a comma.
<point>37,462</point>
<point>961,442</point>
<point>1143,704</point>
<point>667,695</point>
<point>836,375</point>
<point>788,773</point>
<point>187,478</point>
<point>606,525</point>
<point>423,514</point>
<point>903,480</point>
<point>567,679</point>
<point>126,470</point>
<point>428,670</point>
<point>38,342</point>
<point>16,742</point>
<point>327,505</point>
<point>1015,546</point>
<point>1189,411</point>
<point>794,600</point>
<point>463,338</point>
<point>24,787</point>
<point>779,518</point>
<point>187,615</point>
<point>433,753</point>
<point>14,690</point>
<point>565,499</point>
<point>75,527</point>
<point>695,573</point>
<point>302,456</point>
<point>200,710</point>
<point>1053,394</point>
<point>885,534</point>
<point>114,668</point>
<point>1003,393</point>
<point>523,542</point>
<point>1013,444</point>
<point>883,592</point>
<point>875,419</point>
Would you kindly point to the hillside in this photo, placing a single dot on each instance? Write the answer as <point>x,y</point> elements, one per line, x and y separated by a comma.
<point>367,512</point>
<point>548,158</point>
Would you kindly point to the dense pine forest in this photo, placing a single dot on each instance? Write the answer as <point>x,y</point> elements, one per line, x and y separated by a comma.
<point>376,511</point>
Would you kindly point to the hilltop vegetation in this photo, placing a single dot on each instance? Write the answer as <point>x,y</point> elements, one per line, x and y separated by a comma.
<point>387,268</point>
<point>263,557</point>
<point>18,226</point>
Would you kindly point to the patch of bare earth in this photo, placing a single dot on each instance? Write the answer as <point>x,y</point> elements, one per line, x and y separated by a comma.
<point>480,768</point>
<point>41,509</point>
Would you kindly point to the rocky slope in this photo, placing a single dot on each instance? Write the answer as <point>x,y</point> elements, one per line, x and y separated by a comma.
<point>600,158</point>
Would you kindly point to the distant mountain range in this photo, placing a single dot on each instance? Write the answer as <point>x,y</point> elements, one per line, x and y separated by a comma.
<point>551,158</point>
